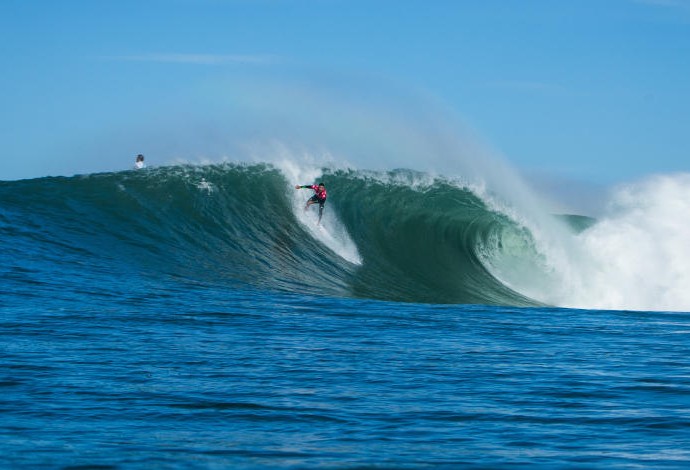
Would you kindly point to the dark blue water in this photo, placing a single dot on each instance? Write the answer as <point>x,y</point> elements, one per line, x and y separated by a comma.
<point>129,341</point>
<point>207,378</point>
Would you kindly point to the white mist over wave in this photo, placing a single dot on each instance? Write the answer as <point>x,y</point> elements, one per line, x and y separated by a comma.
<point>637,257</point>
<point>313,128</point>
<point>634,258</point>
<point>381,128</point>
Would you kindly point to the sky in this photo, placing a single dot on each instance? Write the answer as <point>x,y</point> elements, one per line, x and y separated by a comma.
<point>593,91</point>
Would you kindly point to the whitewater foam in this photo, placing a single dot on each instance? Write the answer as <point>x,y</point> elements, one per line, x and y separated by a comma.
<point>637,256</point>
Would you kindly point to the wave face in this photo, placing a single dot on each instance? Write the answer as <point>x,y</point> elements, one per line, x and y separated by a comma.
<point>399,236</point>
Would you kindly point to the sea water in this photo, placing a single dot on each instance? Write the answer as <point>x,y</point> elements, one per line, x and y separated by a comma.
<point>181,318</point>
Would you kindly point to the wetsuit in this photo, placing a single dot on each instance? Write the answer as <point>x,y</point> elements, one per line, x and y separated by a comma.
<point>318,197</point>
<point>319,194</point>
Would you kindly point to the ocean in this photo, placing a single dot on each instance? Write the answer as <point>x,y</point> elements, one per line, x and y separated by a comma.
<point>195,316</point>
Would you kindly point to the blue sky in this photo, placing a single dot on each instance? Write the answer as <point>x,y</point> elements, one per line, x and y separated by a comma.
<point>596,91</point>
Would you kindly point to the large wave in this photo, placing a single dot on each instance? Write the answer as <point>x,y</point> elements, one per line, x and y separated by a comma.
<point>397,235</point>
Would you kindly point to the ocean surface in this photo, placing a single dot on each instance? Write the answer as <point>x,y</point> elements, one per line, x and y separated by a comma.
<point>198,317</point>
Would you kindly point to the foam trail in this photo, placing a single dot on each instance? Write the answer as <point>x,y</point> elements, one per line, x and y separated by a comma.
<point>331,232</point>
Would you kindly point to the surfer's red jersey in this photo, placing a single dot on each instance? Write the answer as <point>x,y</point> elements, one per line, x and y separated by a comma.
<point>319,196</point>
<point>319,190</point>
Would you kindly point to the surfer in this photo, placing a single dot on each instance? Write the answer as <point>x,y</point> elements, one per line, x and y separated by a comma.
<point>139,163</point>
<point>318,197</point>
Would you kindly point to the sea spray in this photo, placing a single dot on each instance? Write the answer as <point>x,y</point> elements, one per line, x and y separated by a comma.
<point>638,255</point>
